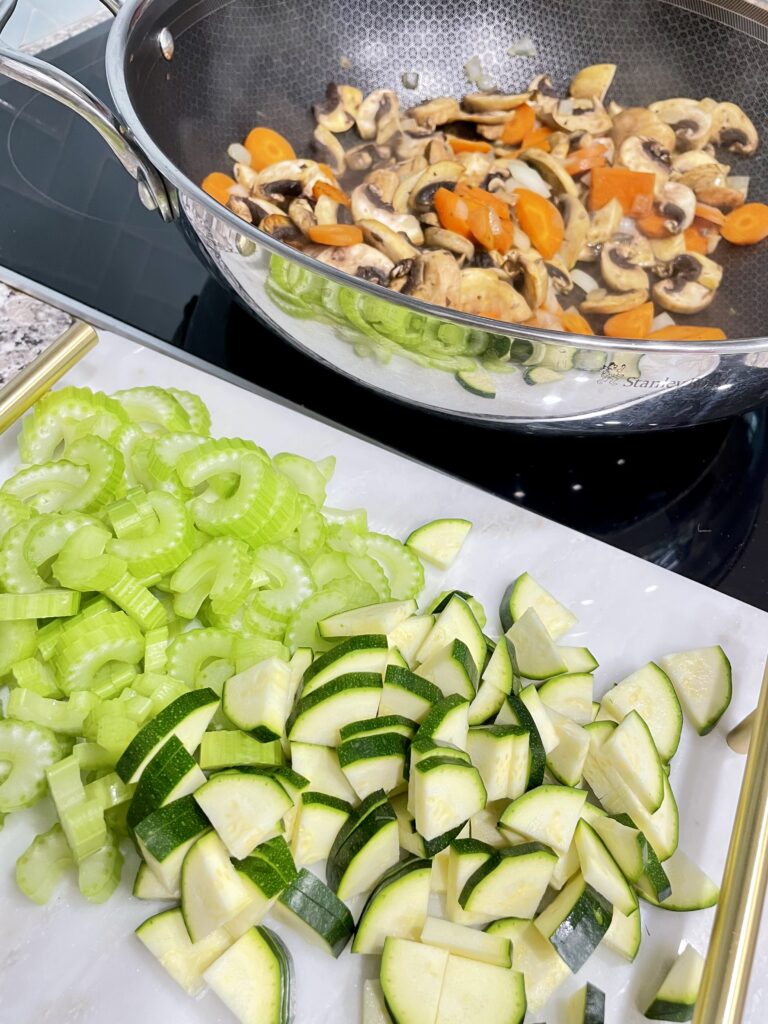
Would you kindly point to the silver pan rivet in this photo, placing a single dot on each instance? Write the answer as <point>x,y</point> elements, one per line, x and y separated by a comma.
<point>146,197</point>
<point>167,45</point>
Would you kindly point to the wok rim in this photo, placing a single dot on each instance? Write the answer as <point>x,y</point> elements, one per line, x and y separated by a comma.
<point>115,63</point>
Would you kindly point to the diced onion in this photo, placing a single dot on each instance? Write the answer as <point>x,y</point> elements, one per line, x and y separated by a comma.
<point>565,106</point>
<point>583,280</point>
<point>529,178</point>
<point>473,69</point>
<point>627,226</point>
<point>740,183</point>
<point>485,83</point>
<point>522,48</point>
<point>239,190</point>
<point>239,154</point>
<point>660,322</point>
<point>551,303</point>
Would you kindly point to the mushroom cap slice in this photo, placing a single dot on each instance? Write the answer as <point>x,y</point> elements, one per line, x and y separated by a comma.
<point>360,158</point>
<point>592,118</point>
<point>643,122</point>
<point>694,159</point>
<point>602,301</point>
<point>439,111</point>
<point>692,297</point>
<point>677,204</point>
<point>605,223</point>
<point>440,175</point>
<point>665,250</point>
<point>359,260</point>
<point>385,181</point>
<point>690,123</point>
<point>328,211</point>
<point>329,150</point>
<point>441,238</point>
<point>404,189</point>
<point>367,204</point>
<point>482,102</point>
<point>434,277</point>
<point>377,106</point>
<point>392,243</point>
<point>592,82</point>
<point>301,213</point>
<point>290,178</point>
<point>535,277</point>
<point>559,277</point>
<point>253,209</point>
<point>576,220</point>
<point>551,170</point>
<point>483,293</point>
<point>283,229</point>
<point>647,155</point>
<point>733,130</point>
<point>621,272</point>
<point>334,113</point>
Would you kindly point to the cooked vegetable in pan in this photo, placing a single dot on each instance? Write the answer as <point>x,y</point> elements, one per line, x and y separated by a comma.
<point>559,212</point>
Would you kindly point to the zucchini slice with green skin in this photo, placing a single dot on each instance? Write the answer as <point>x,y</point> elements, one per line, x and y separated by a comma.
<point>374,762</point>
<point>631,752</point>
<point>172,773</point>
<point>452,670</point>
<point>547,815</point>
<point>587,1006</point>
<point>256,700</point>
<point>317,824</point>
<point>232,748</point>
<point>309,906</point>
<point>501,753</point>
<point>371,619</point>
<point>566,762</point>
<point>649,692</point>
<point>166,937</point>
<point>537,655</point>
<point>514,712</point>
<point>410,635</point>
<point>512,882</point>
<point>265,874</point>
<point>383,724</point>
<point>477,382</point>
<point>147,887</point>
<point>440,541</point>
<point>365,848</point>
<point>689,887</point>
<point>243,807</point>
<point>166,835</point>
<point>187,718</point>
<point>212,891</point>
<point>441,601</point>
<point>601,871</point>
<point>501,669</point>
<point>468,942</point>
<point>480,993</point>
<point>676,998</point>
<point>447,722</point>
<point>566,867</point>
<point>254,978</point>
<point>319,717</point>
<point>320,765</point>
<point>630,849</point>
<point>575,922</point>
<point>702,681</point>
<point>412,979</point>
<point>570,695</point>
<point>538,961</point>
<point>482,826</point>
<point>624,935</point>
<point>538,712</point>
<point>398,907</point>
<point>465,856</point>
<point>408,694</point>
<point>486,703</point>
<point>579,659</point>
<point>446,794</point>
<point>526,593</point>
<point>455,622</point>
<point>363,653</point>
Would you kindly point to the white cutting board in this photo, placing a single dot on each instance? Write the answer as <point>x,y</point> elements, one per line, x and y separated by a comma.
<point>72,963</point>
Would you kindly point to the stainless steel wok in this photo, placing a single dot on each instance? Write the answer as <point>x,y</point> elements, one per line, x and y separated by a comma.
<point>188,77</point>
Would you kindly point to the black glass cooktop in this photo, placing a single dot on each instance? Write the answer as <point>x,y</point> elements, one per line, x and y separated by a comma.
<point>692,501</point>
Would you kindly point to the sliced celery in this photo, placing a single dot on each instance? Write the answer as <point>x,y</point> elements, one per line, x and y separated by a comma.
<point>62,416</point>
<point>109,791</point>
<point>404,570</point>
<point>81,819</point>
<point>152,408</point>
<point>338,597</point>
<point>111,679</point>
<point>304,474</point>
<point>166,450</point>
<point>61,716</point>
<point>368,570</point>
<point>195,408</point>
<point>166,546</point>
<point>49,486</point>
<point>215,674</point>
<point>189,652</point>
<point>93,643</point>
<point>290,584</point>
<point>105,465</point>
<point>45,604</point>
<point>29,750</point>
<point>43,864</point>
<point>92,757</point>
<point>98,874</point>
<point>132,515</point>
<point>12,512</point>
<point>137,601</point>
<point>155,647</point>
<point>220,570</point>
<point>310,533</point>
<point>36,676</point>
<point>355,518</point>
<point>228,748</point>
<point>83,563</point>
<point>30,544</point>
<point>250,650</point>
<point>114,734</point>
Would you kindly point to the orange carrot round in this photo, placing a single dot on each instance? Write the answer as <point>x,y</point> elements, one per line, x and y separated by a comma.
<point>336,234</point>
<point>217,185</point>
<point>519,125</point>
<point>479,196</point>
<point>266,147</point>
<point>538,138</point>
<point>586,159</point>
<point>695,241</point>
<point>459,145</point>
<point>746,225</point>
<point>678,332</point>
<point>574,323</point>
<point>453,212</point>
<point>489,229</point>
<point>710,213</point>
<point>654,226</point>
<point>541,221</point>
<point>635,323</point>
<point>324,188</point>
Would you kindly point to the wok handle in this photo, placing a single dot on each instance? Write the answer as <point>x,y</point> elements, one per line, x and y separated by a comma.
<point>154,192</point>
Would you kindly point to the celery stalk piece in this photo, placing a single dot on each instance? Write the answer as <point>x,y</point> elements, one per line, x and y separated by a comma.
<point>42,865</point>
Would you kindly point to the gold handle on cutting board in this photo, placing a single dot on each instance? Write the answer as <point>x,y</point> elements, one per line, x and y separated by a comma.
<point>737,922</point>
<point>42,373</point>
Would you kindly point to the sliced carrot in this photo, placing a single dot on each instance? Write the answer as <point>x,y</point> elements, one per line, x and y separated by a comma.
<point>479,196</point>
<point>217,185</point>
<point>575,323</point>
<point>324,188</point>
<point>328,172</point>
<point>541,221</point>
<point>266,147</point>
<point>459,145</point>
<point>537,139</point>
<point>688,333</point>
<point>710,213</point>
<point>336,234</point>
<point>453,211</point>
<point>586,159</point>
<point>519,125</point>
<point>490,230</point>
<point>635,323</point>
<point>695,241</point>
<point>653,226</point>
<point>633,189</point>
<point>746,225</point>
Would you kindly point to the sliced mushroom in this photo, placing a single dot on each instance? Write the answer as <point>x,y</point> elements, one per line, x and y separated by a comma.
<point>491,132</point>
<point>559,145</point>
<point>288,179</point>
<point>592,82</point>
<point>283,229</point>
<point>360,158</point>
<point>359,260</point>
<point>301,213</point>
<point>482,102</point>
<point>489,117</point>
<point>367,204</point>
<point>245,175</point>
<point>440,238</point>
<point>551,170</point>
<point>414,165</point>
<point>601,301</point>
<point>643,122</point>
<point>438,150</point>
<point>483,293</point>
<point>337,111</point>
<point>711,187</point>
<point>329,150</point>
<point>604,224</point>
<point>695,159</point>
<point>648,155</point>
<point>385,182</point>
<point>441,175</point>
<point>665,250</point>
<point>410,147</point>
<point>691,124</point>
<point>592,118</point>
<point>620,271</point>
<point>437,112</point>
<point>377,108</point>
<point>576,220</point>
<point>404,189</point>
<point>559,277</point>
<point>544,98</point>
<point>392,243</point>
<point>476,166</point>
<point>252,209</point>
<point>691,285</point>
<point>678,206</point>
<point>733,130</point>
<point>535,277</point>
<point>434,277</point>
<point>328,211</point>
